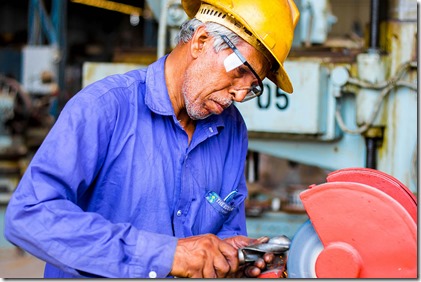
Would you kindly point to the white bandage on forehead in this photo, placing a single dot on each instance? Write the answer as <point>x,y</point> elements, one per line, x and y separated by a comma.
<point>231,62</point>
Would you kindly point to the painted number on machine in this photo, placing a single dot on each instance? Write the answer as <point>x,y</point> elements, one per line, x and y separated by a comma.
<point>276,98</point>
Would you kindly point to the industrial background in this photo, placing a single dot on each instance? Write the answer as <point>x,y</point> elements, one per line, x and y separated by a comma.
<point>353,66</point>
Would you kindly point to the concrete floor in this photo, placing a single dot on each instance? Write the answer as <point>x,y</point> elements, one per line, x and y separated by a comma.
<point>17,264</point>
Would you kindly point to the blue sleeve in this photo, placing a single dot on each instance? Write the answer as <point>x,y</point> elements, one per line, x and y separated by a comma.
<point>43,216</point>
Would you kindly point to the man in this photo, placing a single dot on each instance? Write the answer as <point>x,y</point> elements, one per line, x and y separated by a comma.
<point>142,175</point>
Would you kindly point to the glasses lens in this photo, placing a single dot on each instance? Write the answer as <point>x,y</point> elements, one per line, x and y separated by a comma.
<point>253,92</point>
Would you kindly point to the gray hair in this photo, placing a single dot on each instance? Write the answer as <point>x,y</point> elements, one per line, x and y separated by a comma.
<point>214,29</point>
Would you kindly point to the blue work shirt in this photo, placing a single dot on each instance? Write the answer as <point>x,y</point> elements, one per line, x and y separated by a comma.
<point>115,182</point>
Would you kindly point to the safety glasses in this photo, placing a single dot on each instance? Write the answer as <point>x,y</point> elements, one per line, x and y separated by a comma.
<point>235,60</point>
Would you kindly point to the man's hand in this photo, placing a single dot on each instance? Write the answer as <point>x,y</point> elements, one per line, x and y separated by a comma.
<point>204,256</point>
<point>259,265</point>
<point>242,241</point>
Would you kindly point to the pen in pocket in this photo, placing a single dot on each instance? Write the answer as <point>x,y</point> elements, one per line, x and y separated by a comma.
<point>230,196</point>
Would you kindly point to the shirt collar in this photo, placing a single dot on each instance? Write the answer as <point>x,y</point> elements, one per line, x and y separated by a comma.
<point>156,96</point>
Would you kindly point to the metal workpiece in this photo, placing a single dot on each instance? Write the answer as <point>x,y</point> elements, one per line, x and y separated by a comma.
<point>277,245</point>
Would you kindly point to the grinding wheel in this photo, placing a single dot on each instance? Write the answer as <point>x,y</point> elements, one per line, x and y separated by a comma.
<point>304,250</point>
<point>356,230</point>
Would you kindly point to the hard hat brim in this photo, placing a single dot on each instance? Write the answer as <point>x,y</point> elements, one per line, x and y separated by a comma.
<point>281,79</point>
<point>191,7</point>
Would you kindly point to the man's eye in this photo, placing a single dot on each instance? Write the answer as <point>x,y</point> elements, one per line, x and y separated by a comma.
<point>242,71</point>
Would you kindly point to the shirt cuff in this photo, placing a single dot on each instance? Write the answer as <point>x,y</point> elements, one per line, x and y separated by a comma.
<point>154,255</point>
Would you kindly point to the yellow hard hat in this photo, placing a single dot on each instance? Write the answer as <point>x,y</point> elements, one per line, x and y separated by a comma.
<point>267,25</point>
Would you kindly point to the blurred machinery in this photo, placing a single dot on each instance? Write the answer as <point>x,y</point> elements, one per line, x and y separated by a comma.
<point>350,107</point>
<point>28,100</point>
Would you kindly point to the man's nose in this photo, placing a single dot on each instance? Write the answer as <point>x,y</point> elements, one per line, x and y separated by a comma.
<point>238,93</point>
<point>240,88</point>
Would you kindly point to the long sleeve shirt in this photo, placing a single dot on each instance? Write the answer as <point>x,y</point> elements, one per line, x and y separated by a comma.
<point>116,183</point>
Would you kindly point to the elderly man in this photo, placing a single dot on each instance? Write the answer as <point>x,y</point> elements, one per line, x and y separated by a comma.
<point>142,175</point>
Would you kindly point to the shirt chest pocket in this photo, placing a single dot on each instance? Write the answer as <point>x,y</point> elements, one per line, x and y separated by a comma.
<point>212,214</point>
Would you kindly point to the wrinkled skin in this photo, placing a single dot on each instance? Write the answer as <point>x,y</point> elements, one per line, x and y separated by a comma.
<point>207,256</point>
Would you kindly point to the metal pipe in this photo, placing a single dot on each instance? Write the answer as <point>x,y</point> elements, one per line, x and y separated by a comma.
<point>252,166</point>
<point>374,25</point>
<point>256,162</point>
<point>371,154</point>
<point>59,19</point>
<point>162,29</point>
<point>370,142</point>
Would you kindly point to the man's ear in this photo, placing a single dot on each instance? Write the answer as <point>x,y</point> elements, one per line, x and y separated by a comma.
<point>198,41</point>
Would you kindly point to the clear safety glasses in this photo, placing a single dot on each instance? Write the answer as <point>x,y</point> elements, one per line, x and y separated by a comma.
<point>235,60</point>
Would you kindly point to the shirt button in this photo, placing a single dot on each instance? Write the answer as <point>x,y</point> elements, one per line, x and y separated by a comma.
<point>179,213</point>
<point>152,274</point>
